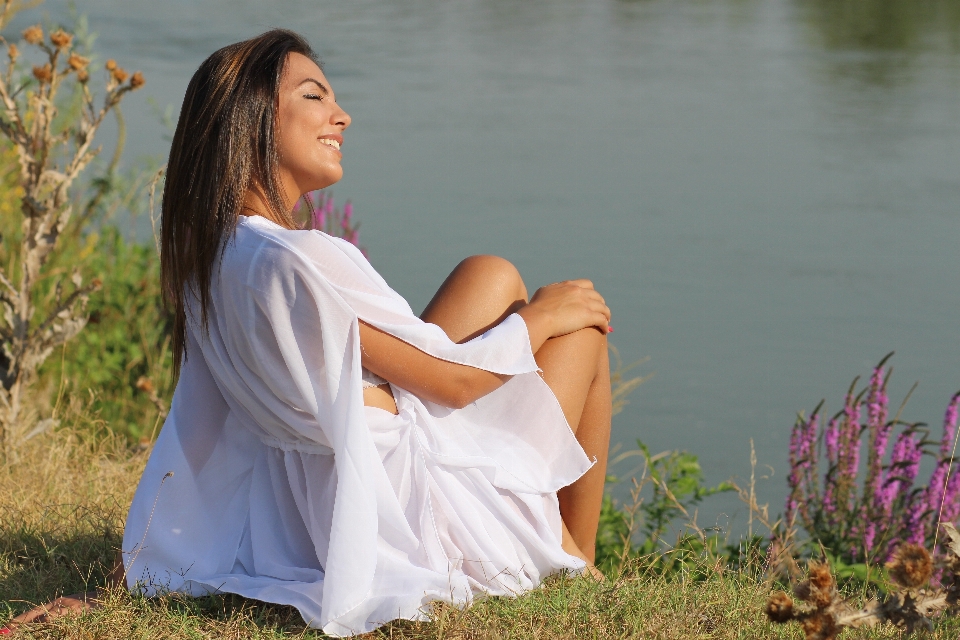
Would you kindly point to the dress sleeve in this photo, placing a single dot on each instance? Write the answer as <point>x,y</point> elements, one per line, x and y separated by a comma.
<point>504,349</point>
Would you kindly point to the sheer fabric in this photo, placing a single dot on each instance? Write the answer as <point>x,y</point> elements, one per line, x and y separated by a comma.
<point>272,480</point>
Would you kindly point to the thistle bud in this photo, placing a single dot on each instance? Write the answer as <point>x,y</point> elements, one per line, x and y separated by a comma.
<point>144,384</point>
<point>118,74</point>
<point>136,80</point>
<point>44,73</point>
<point>111,65</point>
<point>13,52</point>
<point>61,39</point>
<point>911,566</point>
<point>779,607</point>
<point>82,75</point>
<point>77,62</point>
<point>34,34</point>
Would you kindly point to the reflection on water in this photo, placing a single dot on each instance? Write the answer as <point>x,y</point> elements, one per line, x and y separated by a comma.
<point>887,33</point>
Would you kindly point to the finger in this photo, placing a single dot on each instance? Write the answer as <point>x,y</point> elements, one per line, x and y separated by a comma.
<point>602,323</point>
<point>583,283</point>
<point>593,294</point>
<point>599,307</point>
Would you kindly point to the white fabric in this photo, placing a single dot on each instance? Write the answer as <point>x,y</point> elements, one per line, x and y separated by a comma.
<point>287,489</point>
<point>370,379</point>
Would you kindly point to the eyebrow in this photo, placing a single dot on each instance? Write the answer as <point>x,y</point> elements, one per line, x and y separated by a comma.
<point>323,89</point>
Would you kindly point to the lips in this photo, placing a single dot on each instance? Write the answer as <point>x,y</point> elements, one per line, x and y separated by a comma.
<point>332,140</point>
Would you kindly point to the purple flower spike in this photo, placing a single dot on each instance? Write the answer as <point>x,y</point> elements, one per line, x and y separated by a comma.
<point>869,536</point>
<point>951,499</point>
<point>321,214</point>
<point>949,426</point>
<point>831,441</point>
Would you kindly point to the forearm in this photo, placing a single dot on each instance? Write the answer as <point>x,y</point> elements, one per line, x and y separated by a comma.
<point>445,383</point>
<point>539,327</point>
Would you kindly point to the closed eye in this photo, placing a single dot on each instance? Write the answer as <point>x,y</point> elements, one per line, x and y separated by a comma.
<point>313,96</point>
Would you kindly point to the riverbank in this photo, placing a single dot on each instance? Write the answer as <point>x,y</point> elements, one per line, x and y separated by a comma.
<point>62,506</point>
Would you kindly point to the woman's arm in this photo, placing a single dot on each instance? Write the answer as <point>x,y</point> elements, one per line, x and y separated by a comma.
<point>554,310</point>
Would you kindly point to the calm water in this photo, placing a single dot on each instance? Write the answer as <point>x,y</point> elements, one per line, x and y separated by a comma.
<point>766,191</point>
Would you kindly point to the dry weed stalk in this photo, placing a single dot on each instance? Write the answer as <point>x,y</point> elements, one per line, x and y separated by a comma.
<point>822,613</point>
<point>51,157</point>
<point>621,386</point>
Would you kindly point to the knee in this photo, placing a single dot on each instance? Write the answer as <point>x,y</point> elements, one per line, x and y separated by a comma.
<point>592,344</point>
<point>493,271</point>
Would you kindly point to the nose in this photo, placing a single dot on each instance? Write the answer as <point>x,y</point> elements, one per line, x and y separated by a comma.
<point>340,117</point>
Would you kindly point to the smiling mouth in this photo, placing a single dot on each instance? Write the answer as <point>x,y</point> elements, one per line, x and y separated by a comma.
<point>330,143</point>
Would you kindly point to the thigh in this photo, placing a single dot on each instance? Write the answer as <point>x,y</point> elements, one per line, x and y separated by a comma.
<point>570,364</point>
<point>477,295</point>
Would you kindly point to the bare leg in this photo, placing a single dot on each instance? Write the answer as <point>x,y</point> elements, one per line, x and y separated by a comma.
<point>577,368</point>
<point>477,295</point>
<point>480,293</point>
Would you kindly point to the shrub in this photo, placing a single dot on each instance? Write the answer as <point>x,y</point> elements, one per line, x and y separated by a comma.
<point>670,484</point>
<point>52,134</point>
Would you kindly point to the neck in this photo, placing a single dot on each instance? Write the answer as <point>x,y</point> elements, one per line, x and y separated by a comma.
<point>255,204</point>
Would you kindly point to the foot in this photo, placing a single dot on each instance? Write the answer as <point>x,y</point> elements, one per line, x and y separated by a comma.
<point>568,545</point>
<point>76,603</point>
<point>592,572</point>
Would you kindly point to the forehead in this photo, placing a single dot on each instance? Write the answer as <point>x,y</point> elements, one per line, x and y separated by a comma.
<point>300,68</point>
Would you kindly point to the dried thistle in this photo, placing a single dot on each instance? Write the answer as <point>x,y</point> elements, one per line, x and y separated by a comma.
<point>77,62</point>
<point>13,52</point>
<point>110,65</point>
<point>145,385</point>
<point>820,626</point>
<point>61,39</point>
<point>43,73</point>
<point>118,74</point>
<point>911,567</point>
<point>136,80</point>
<point>910,607</point>
<point>780,607</point>
<point>52,152</point>
<point>34,34</point>
<point>819,589</point>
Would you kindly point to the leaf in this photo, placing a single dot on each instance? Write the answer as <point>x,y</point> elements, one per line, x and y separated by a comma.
<point>954,545</point>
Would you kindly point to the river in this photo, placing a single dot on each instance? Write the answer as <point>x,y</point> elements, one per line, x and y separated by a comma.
<point>766,191</point>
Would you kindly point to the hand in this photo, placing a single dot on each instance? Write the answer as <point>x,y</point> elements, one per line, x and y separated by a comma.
<point>565,307</point>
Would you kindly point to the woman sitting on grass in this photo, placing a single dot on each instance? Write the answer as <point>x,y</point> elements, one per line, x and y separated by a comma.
<point>326,448</point>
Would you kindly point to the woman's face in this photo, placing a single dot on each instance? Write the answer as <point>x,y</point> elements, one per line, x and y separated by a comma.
<point>311,126</point>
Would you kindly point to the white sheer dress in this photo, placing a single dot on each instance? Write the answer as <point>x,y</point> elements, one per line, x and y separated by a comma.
<point>272,480</point>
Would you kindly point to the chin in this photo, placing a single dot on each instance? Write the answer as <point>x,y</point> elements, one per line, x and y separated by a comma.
<point>332,176</point>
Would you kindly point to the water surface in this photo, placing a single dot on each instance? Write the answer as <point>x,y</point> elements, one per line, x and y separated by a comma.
<point>766,191</point>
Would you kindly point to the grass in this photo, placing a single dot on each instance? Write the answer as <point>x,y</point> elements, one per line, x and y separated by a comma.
<point>62,505</point>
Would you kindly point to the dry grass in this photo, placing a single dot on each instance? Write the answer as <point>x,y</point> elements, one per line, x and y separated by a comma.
<point>62,506</point>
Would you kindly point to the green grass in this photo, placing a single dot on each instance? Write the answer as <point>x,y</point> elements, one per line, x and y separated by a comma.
<point>62,505</point>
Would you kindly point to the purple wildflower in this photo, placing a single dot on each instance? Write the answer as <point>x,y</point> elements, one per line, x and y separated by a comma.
<point>949,426</point>
<point>801,478</point>
<point>951,499</point>
<point>880,434</point>
<point>831,441</point>
<point>319,218</point>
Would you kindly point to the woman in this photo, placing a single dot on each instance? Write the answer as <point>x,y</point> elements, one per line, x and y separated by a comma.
<point>326,448</point>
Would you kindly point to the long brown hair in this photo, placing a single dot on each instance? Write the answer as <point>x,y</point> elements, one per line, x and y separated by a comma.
<point>225,143</point>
